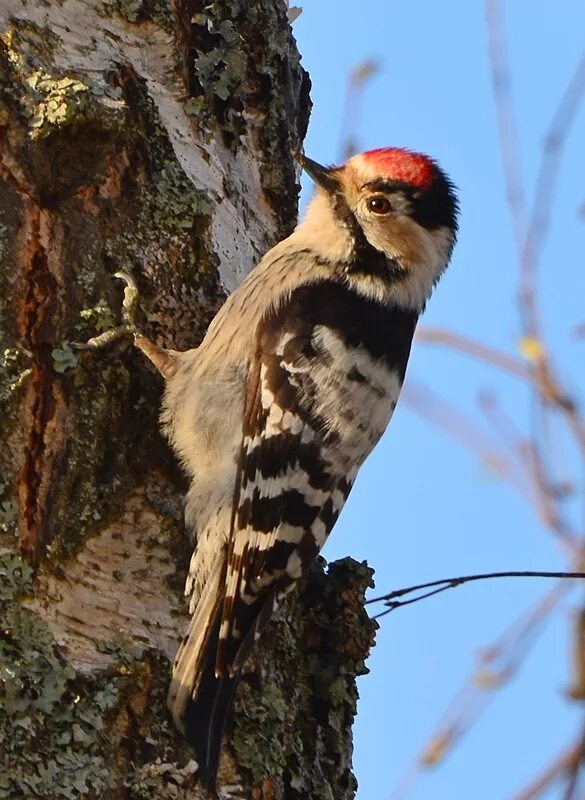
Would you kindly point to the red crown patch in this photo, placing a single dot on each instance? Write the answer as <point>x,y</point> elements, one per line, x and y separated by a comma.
<point>402,165</point>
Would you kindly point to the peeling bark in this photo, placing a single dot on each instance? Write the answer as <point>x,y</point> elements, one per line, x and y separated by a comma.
<point>154,138</point>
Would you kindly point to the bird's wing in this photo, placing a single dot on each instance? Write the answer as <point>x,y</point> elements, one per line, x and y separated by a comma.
<point>286,498</point>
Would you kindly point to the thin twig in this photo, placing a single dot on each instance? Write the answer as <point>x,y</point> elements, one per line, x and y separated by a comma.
<point>443,584</point>
<point>544,498</point>
<point>471,347</point>
<point>574,768</point>
<point>464,430</point>
<point>544,193</point>
<point>499,663</point>
<point>358,79</point>
<point>510,437</point>
<point>548,776</point>
<point>541,380</point>
<point>500,72</point>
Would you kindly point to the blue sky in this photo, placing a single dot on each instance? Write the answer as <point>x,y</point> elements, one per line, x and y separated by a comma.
<point>424,507</point>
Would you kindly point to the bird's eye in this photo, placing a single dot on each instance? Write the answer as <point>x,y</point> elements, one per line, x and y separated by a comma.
<point>379,205</point>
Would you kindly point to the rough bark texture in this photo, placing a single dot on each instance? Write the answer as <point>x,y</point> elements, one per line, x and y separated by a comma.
<point>155,138</point>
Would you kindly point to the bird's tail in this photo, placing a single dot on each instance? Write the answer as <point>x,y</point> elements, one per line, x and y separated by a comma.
<point>199,701</point>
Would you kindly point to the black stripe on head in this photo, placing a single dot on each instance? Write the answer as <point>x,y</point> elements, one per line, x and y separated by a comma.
<point>432,207</point>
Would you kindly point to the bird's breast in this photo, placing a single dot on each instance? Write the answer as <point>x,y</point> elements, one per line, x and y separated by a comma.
<point>346,358</point>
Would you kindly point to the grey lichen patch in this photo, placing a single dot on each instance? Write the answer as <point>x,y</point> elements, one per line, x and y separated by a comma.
<point>4,240</point>
<point>14,379</point>
<point>280,87</point>
<point>64,358</point>
<point>216,65</point>
<point>161,779</point>
<point>220,70</point>
<point>239,55</point>
<point>63,735</point>
<point>97,469</point>
<point>294,716</point>
<point>8,509</point>
<point>265,753</point>
<point>167,247</point>
<point>15,577</point>
<point>175,202</point>
<point>51,730</point>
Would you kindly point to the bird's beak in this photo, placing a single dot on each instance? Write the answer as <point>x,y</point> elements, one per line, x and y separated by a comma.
<point>322,176</point>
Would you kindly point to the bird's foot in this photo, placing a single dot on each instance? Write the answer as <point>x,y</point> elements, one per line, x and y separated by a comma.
<point>127,330</point>
<point>164,360</point>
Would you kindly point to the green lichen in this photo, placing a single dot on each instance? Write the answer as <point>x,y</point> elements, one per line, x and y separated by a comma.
<point>175,203</point>
<point>37,42</point>
<point>294,718</point>
<point>100,316</point>
<point>221,69</point>
<point>51,103</point>
<point>55,103</point>
<point>14,372</point>
<point>58,734</point>
<point>8,516</point>
<point>51,733</point>
<point>269,716</point>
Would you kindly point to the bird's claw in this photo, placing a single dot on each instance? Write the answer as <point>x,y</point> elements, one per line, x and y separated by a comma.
<point>128,327</point>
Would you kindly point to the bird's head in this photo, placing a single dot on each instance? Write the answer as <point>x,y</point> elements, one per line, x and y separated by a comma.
<point>389,216</point>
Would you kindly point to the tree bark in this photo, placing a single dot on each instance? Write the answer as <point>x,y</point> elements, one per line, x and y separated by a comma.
<point>154,138</point>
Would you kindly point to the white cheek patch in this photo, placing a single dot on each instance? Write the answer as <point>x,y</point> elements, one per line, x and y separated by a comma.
<point>434,252</point>
<point>428,255</point>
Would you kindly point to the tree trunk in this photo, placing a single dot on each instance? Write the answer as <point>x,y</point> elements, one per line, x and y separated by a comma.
<point>156,139</point>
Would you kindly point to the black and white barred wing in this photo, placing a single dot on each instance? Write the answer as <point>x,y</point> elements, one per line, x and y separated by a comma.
<point>287,496</point>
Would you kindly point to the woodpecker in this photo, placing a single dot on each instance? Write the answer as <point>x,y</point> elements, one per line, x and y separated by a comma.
<point>274,413</point>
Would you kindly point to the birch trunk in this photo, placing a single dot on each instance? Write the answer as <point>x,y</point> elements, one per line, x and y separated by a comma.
<point>154,138</point>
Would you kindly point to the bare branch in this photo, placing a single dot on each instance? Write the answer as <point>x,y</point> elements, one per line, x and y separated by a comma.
<point>471,347</point>
<point>559,765</point>
<point>358,79</point>
<point>498,665</point>
<point>467,433</point>
<point>544,192</point>
<point>574,768</point>
<point>505,115</point>
<point>436,587</point>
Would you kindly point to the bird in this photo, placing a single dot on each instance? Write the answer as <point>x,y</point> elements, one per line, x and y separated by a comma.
<point>274,413</point>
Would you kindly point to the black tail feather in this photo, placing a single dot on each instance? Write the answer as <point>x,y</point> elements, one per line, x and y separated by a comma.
<point>205,720</point>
